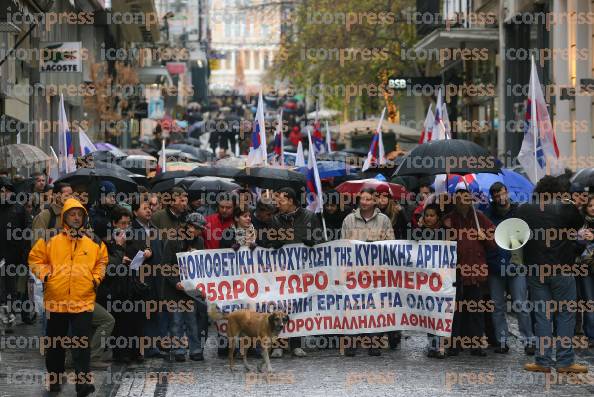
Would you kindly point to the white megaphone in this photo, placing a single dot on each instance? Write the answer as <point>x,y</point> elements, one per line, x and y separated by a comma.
<point>512,234</point>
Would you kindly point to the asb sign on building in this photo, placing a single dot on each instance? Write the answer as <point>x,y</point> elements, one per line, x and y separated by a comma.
<point>61,57</point>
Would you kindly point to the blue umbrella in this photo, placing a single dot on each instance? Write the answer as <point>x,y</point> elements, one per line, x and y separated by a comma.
<point>519,187</point>
<point>331,169</point>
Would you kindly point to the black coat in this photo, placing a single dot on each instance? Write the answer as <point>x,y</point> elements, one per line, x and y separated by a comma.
<point>13,222</point>
<point>334,223</point>
<point>556,218</point>
<point>228,238</point>
<point>120,283</point>
<point>100,218</point>
<point>265,232</point>
<point>301,226</point>
<point>141,241</point>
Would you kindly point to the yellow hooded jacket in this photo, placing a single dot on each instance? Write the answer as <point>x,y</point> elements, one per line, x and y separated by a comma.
<point>74,267</point>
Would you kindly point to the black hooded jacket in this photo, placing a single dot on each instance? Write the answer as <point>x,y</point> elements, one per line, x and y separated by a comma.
<point>559,221</point>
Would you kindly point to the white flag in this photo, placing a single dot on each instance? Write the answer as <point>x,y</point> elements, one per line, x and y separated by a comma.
<point>65,144</point>
<point>86,145</point>
<point>257,154</point>
<point>439,129</point>
<point>446,122</point>
<point>539,147</point>
<point>427,126</point>
<point>315,198</point>
<point>53,164</point>
<point>376,154</point>
<point>300,159</point>
<point>162,163</point>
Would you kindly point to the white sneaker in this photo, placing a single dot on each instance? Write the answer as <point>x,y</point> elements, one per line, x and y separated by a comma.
<point>276,353</point>
<point>299,352</point>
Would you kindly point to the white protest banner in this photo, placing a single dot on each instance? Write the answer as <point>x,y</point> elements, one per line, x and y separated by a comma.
<point>339,287</point>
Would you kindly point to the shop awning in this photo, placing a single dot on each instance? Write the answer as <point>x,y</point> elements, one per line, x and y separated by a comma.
<point>459,38</point>
<point>154,75</point>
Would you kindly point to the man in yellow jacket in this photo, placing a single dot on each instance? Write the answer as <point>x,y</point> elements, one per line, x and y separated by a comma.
<point>71,265</point>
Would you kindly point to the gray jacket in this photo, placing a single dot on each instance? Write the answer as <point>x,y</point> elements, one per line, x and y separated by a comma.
<point>376,228</point>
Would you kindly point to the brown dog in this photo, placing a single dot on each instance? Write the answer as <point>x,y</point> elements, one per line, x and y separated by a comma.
<point>261,328</point>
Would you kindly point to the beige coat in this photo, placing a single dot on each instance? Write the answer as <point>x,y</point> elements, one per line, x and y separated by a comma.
<point>376,228</point>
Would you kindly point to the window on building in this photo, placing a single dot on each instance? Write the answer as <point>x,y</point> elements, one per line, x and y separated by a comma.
<point>229,56</point>
<point>266,62</point>
<point>256,59</point>
<point>264,30</point>
<point>247,59</point>
<point>242,28</point>
<point>228,32</point>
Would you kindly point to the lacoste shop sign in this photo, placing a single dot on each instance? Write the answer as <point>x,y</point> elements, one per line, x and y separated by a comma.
<point>61,57</point>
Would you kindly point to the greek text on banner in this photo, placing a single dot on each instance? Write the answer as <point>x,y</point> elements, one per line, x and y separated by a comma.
<point>339,287</point>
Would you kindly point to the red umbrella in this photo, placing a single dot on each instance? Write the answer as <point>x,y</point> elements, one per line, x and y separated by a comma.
<point>398,192</point>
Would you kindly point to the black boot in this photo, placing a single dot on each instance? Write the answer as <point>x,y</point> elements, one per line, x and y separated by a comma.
<point>478,352</point>
<point>84,390</point>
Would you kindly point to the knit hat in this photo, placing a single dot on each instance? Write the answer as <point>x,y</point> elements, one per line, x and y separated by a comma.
<point>107,187</point>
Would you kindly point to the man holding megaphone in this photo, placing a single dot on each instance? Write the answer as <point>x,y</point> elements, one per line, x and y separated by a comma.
<point>550,290</point>
<point>503,270</point>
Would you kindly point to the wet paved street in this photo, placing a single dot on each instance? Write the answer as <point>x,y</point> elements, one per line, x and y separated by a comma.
<point>401,372</point>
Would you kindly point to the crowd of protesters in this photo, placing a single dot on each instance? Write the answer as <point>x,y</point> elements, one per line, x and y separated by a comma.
<point>89,258</point>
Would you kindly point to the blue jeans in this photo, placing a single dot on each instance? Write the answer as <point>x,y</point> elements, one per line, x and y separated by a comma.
<point>587,294</point>
<point>498,285</point>
<point>181,322</point>
<point>554,289</point>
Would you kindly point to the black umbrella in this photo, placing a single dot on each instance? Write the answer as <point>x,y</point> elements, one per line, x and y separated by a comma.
<point>138,178</point>
<point>201,155</point>
<point>271,178</point>
<point>139,164</point>
<point>212,184</point>
<point>168,184</point>
<point>357,151</point>
<point>168,175</point>
<point>112,166</point>
<point>90,177</point>
<point>101,155</point>
<point>411,183</point>
<point>223,172</point>
<point>338,156</point>
<point>447,156</point>
<point>583,178</point>
<point>386,170</point>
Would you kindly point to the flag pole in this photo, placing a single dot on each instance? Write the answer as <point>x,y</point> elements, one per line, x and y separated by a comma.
<point>311,156</point>
<point>282,143</point>
<point>324,224</point>
<point>328,138</point>
<point>533,117</point>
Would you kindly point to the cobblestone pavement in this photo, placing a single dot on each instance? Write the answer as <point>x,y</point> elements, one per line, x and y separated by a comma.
<point>401,372</point>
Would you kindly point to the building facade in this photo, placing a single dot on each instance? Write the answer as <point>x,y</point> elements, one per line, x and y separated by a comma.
<point>245,38</point>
